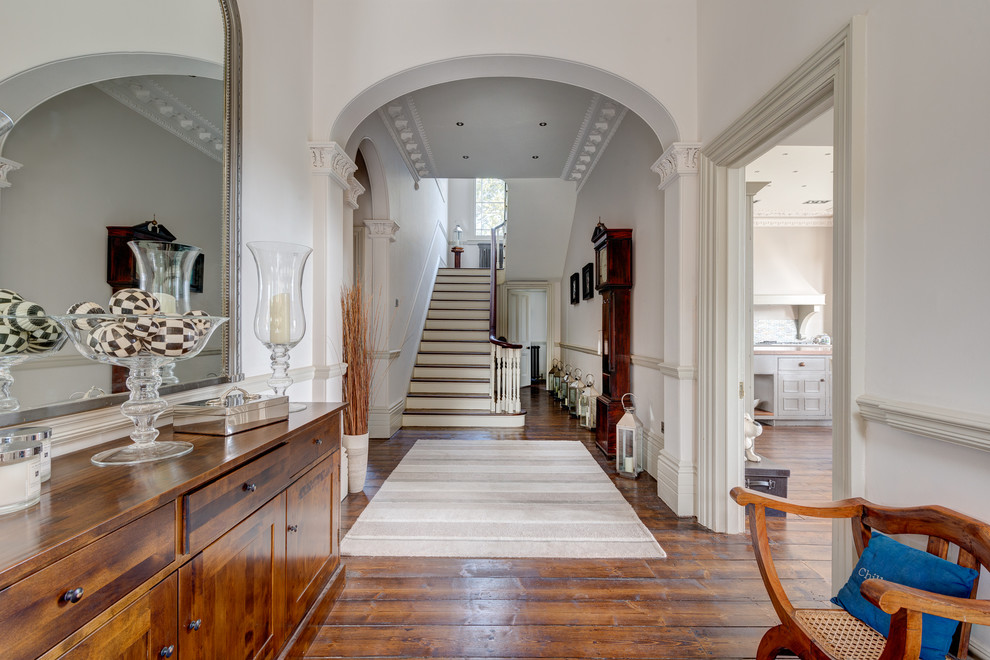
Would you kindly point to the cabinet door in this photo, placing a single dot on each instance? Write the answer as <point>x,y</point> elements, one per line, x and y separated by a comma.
<point>146,629</point>
<point>311,544</point>
<point>232,594</point>
<point>802,394</point>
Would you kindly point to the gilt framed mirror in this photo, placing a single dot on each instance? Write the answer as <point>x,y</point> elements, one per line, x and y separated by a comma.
<point>123,113</point>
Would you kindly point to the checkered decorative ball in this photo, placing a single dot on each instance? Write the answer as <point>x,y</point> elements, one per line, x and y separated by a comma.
<point>142,327</point>
<point>8,296</point>
<point>49,333</point>
<point>12,341</point>
<point>27,316</point>
<point>175,337</point>
<point>201,324</point>
<point>129,302</point>
<point>40,346</point>
<point>111,338</point>
<point>86,307</point>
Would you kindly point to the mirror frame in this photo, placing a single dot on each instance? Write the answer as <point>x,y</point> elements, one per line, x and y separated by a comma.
<point>230,243</point>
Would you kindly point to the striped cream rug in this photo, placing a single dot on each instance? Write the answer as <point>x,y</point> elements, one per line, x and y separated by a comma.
<point>499,498</point>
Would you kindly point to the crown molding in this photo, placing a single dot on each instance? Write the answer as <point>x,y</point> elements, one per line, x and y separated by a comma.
<point>382,229</point>
<point>402,121</point>
<point>792,220</point>
<point>152,100</point>
<point>330,158</point>
<point>601,120</point>
<point>680,159</point>
<point>6,167</point>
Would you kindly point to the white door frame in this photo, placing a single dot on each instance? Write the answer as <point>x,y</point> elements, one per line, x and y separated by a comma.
<point>834,76</point>
<point>552,290</point>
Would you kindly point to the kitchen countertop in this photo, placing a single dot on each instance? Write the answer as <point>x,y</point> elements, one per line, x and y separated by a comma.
<point>791,349</point>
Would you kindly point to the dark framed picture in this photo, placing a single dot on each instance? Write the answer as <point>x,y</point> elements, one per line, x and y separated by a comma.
<point>587,288</point>
<point>575,289</point>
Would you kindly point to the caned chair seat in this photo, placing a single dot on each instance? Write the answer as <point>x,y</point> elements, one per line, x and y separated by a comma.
<point>841,635</point>
<point>833,634</point>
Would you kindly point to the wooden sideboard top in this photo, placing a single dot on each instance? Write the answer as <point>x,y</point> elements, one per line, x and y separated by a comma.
<point>82,502</point>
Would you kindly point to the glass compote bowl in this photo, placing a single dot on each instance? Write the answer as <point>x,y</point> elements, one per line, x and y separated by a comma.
<point>17,347</point>
<point>132,342</point>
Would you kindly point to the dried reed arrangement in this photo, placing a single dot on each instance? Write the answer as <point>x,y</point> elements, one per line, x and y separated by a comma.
<point>360,330</point>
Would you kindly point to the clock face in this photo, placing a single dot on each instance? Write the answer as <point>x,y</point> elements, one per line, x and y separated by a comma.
<point>602,265</point>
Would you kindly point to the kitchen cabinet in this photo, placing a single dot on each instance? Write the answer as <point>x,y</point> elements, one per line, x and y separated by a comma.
<point>793,387</point>
<point>224,552</point>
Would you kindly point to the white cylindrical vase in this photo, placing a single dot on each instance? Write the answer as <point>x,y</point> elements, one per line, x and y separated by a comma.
<point>343,473</point>
<point>357,460</point>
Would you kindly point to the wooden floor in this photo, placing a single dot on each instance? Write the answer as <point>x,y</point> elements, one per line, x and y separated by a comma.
<point>705,600</point>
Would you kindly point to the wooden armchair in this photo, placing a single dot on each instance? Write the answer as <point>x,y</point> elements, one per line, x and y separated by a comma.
<point>834,634</point>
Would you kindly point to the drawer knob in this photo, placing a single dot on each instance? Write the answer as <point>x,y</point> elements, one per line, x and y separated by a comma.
<point>167,652</point>
<point>250,488</point>
<point>802,364</point>
<point>319,441</point>
<point>73,595</point>
<point>194,625</point>
<point>293,528</point>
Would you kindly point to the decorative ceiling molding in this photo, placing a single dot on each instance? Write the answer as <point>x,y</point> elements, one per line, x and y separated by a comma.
<point>6,167</point>
<point>149,98</point>
<point>771,220</point>
<point>382,229</point>
<point>403,123</point>
<point>330,158</point>
<point>679,159</point>
<point>354,190</point>
<point>600,123</point>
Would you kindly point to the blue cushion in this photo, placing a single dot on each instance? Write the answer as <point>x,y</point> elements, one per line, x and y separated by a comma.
<point>887,559</point>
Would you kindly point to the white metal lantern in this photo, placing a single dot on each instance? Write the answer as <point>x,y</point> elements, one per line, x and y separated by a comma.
<point>588,404</point>
<point>628,441</point>
<point>574,393</point>
<point>563,385</point>
<point>553,375</point>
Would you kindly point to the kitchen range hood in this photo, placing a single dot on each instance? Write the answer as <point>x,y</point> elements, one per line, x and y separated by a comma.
<point>805,305</point>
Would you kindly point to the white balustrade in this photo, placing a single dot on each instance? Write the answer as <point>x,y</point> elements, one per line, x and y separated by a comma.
<point>504,379</point>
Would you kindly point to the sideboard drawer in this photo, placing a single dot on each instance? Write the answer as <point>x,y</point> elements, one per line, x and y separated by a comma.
<point>216,507</point>
<point>801,363</point>
<point>41,610</point>
<point>310,448</point>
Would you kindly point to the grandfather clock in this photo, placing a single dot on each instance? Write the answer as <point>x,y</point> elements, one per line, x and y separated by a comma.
<point>613,279</point>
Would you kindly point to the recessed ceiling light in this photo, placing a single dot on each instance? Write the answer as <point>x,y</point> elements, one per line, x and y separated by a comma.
<point>543,123</point>
<point>785,154</point>
<point>804,185</point>
<point>460,123</point>
<point>465,157</point>
<point>828,153</point>
<point>535,157</point>
<point>795,171</point>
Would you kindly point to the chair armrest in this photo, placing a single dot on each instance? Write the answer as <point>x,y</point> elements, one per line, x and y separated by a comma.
<point>839,509</point>
<point>891,597</point>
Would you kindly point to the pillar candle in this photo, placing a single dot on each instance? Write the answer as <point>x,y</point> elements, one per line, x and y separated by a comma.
<point>166,303</point>
<point>278,328</point>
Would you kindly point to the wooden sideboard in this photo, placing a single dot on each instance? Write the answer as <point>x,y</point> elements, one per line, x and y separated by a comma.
<point>228,552</point>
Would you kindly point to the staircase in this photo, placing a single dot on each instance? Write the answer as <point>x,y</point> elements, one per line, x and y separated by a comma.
<point>450,383</point>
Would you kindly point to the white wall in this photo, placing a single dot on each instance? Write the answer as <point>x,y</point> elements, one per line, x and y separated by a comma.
<point>541,212</point>
<point>420,247</point>
<point>793,260</point>
<point>622,191</point>
<point>460,211</point>
<point>926,234</point>
<point>89,162</point>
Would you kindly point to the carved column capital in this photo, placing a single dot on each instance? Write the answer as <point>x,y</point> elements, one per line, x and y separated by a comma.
<point>354,190</point>
<point>329,158</point>
<point>6,167</point>
<point>382,229</point>
<point>680,158</point>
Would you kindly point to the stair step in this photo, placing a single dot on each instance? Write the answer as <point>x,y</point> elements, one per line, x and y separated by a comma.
<point>474,359</point>
<point>484,272</point>
<point>465,279</point>
<point>456,324</point>
<point>462,402</point>
<point>461,287</point>
<point>443,313</point>
<point>449,386</point>
<point>454,346</point>
<point>460,295</point>
<point>460,418</point>
<point>450,371</point>
<point>460,305</point>
<point>455,335</point>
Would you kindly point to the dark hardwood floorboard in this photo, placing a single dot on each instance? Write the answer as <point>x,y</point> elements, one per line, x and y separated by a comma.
<point>705,600</point>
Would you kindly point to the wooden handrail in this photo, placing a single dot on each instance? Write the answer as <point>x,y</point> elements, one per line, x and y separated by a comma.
<point>493,295</point>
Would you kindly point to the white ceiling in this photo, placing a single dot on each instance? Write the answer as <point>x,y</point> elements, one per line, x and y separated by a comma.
<point>502,131</point>
<point>799,172</point>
